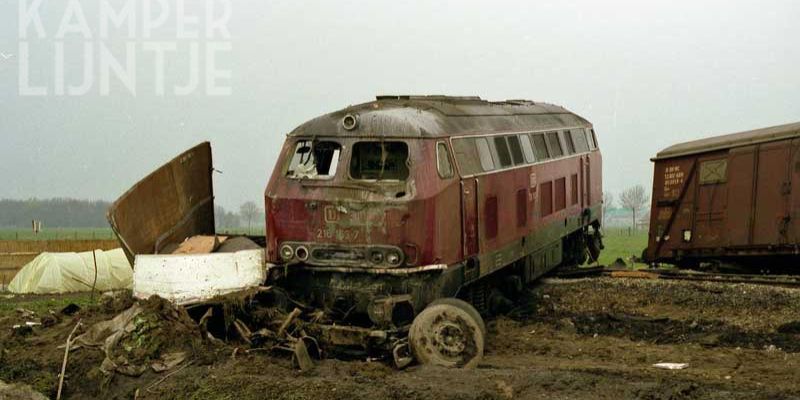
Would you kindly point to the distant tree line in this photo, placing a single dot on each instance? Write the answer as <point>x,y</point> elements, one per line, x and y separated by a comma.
<point>54,213</point>
<point>74,213</point>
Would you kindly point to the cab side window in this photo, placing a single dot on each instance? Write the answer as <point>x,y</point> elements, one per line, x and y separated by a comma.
<point>443,165</point>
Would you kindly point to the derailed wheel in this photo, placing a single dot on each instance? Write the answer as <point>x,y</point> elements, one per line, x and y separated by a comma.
<point>449,334</point>
<point>464,306</point>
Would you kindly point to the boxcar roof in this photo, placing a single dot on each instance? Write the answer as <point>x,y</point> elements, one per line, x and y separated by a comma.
<point>437,116</point>
<point>729,141</point>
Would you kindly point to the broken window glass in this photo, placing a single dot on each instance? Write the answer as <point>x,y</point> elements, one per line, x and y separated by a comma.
<point>314,160</point>
<point>379,161</point>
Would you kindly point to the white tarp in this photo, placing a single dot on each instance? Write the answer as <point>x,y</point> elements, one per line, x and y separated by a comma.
<point>191,278</point>
<point>74,272</point>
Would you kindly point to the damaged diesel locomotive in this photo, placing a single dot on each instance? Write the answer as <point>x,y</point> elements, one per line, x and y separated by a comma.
<point>395,224</point>
<point>412,215</point>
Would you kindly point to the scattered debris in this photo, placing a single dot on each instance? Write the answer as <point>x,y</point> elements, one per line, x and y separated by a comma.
<point>156,383</point>
<point>199,244</point>
<point>151,334</point>
<point>169,361</point>
<point>19,391</point>
<point>671,365</point>
<point>66,359</point>
<point>237,243</point>
<point>29,324</point>
<point>619,263</point>
<point>70,309</point>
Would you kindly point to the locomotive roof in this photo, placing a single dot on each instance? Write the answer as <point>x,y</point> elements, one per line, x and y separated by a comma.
<point>731,140</point>
<point>437,116</point>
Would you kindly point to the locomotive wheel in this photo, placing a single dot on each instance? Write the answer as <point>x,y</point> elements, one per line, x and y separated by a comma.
<point>448,333</point>
<point>466,307</point>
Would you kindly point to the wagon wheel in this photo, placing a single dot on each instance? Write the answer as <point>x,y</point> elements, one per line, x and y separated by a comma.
<point>448,333</point>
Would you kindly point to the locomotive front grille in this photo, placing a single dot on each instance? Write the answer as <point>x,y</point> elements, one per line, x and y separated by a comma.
<point>327,255</point>
<point>334,255</point>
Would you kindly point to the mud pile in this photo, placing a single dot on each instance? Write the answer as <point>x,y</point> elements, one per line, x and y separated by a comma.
<point>151,334</point>
<point>578,339</point>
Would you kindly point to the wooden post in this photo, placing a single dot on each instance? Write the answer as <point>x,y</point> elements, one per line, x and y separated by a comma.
<point>94,284</point>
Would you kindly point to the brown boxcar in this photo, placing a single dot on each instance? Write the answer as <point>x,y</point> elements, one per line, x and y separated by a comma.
<point>380,209</point>
<point>728,199</point>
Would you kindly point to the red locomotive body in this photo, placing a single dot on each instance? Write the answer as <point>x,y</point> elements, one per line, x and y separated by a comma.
<point>431,197</point>
<point>728,200</point>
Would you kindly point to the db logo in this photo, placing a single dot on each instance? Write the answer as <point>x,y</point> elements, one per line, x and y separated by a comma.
<point>331,214</point>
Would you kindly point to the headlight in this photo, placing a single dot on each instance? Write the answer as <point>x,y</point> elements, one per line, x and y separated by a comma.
<point>393,258</point>
<point>376,257</point>
<point>287,252</point>
<point>301,252</point>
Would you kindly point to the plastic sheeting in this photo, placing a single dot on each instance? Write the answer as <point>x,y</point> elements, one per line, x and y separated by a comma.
<point>74,272</point>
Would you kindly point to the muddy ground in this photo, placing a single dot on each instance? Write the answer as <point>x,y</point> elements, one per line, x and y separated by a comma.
<point>594,338</point>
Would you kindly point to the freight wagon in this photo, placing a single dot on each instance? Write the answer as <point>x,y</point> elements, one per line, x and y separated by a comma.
<point>728,200</point>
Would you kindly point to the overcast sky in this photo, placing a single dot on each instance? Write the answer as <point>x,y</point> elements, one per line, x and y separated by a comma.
<point>647,74</point>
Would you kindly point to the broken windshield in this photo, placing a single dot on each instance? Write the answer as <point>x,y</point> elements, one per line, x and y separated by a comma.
<point>314,160</point>
<point>379,161</point>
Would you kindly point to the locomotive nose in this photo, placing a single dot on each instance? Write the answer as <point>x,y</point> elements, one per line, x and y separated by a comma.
<point>340,233</point>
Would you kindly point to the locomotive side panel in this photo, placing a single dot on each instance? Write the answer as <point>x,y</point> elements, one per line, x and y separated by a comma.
<point>527,209</point>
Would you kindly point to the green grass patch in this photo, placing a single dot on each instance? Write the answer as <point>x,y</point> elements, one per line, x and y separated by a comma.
<point>57,234</point>
<point>42,303</point>
<point>622,243</point>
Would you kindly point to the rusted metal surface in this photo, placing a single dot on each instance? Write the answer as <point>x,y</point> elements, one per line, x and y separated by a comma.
<point>732,198</point>
<point>451,229</point>
<point>723,142</point>
<point>174,202</point>
<point>439,116</point>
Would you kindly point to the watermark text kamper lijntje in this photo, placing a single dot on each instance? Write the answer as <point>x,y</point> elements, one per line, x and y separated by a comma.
<point>74,48</point>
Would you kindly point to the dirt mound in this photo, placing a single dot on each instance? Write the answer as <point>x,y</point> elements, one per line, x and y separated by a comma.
<point>19,392</point>
<point>151,334</point>
<point>580,339</point>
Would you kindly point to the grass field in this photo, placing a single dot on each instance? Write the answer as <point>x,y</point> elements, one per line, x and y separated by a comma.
<point>90,233</point>
<point>620,243</point>
<point>42,304</point>
<point>56,233</point>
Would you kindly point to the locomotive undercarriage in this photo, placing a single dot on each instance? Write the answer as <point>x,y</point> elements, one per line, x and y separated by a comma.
<point>366,314</point>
